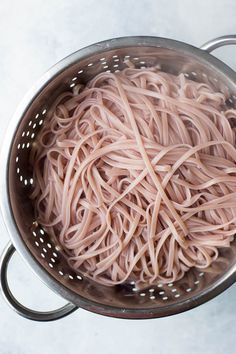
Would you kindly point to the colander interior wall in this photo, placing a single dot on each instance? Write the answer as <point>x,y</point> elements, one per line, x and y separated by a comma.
<point>41,245</point>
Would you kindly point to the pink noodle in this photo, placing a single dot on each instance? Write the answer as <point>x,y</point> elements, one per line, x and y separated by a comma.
<point>135,176</point>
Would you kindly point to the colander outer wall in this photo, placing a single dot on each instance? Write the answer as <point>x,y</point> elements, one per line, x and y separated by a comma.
<point>228,279</point>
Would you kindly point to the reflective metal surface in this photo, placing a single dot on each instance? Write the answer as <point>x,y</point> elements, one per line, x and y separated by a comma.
<point>18,307</point>
<point>39,249</point>
<point>219,42</point>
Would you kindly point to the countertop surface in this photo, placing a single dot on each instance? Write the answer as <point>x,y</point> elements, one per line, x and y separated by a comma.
<point>35,34</point>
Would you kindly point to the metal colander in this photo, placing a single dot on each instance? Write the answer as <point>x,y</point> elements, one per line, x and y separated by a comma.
<point>38,248</point>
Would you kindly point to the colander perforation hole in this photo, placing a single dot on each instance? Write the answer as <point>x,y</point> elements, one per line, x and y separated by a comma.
<point>152,297</point>
<point>116,60</point>
<point>49,245</point>
<point>17,170</point>
<point>80,71</point>
<point>74,78</point>
<point>201,274</point>
<point>18,146</point>
<point>197,282</point>
<point>115,65</point>
<point>79,277</point>
<point>90,64</point>
<point>36,116</point>
<point>44,111</point>
<point>165,298</point>
<point>72,85</point>
<point>31,181</point>
<point>21,178</point>
<point>32,136</point>
<point>28,132</point>
<point>34,234</point>
<point>102,59</point>
<point>71,277</point>
<point>36,243</point>
<point>194,73</point>
<point>151,290</point>
<point>60,272</point>
<point>161,292</point>
<point>17,159</point>
<point>30,123</point>
<point>170,285</point>
<point>117,71</point>
<point>42,255</point>
<point>28,145</point>
<point>177,295</point>
<point>50,265</point>
<point>53,260</point>
<point>186,74</point>
<point>23,134</point>
<point>41,122</point>
<point>136,58</point>
<point>55,254</point>
<point>34,125</point>
<point>174,290</point>
<point>188,290</point>
<point>45,250</point>
<point>142,294</point>
<point>105,66</point>
<point>41,239</point>
<point>160,285</point>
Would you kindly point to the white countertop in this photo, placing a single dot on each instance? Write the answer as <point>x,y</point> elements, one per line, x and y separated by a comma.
<point>34,34</point>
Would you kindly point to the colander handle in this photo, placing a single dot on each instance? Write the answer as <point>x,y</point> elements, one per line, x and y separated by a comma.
<point>219,42</point>
<point>19,308</point>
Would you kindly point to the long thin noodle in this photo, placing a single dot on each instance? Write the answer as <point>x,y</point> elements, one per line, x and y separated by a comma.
<point>135,176</point>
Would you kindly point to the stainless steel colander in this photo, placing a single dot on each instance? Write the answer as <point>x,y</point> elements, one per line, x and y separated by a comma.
<point>38,248</point>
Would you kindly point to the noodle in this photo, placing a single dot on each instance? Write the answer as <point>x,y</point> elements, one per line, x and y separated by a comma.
<point>135,176</point>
